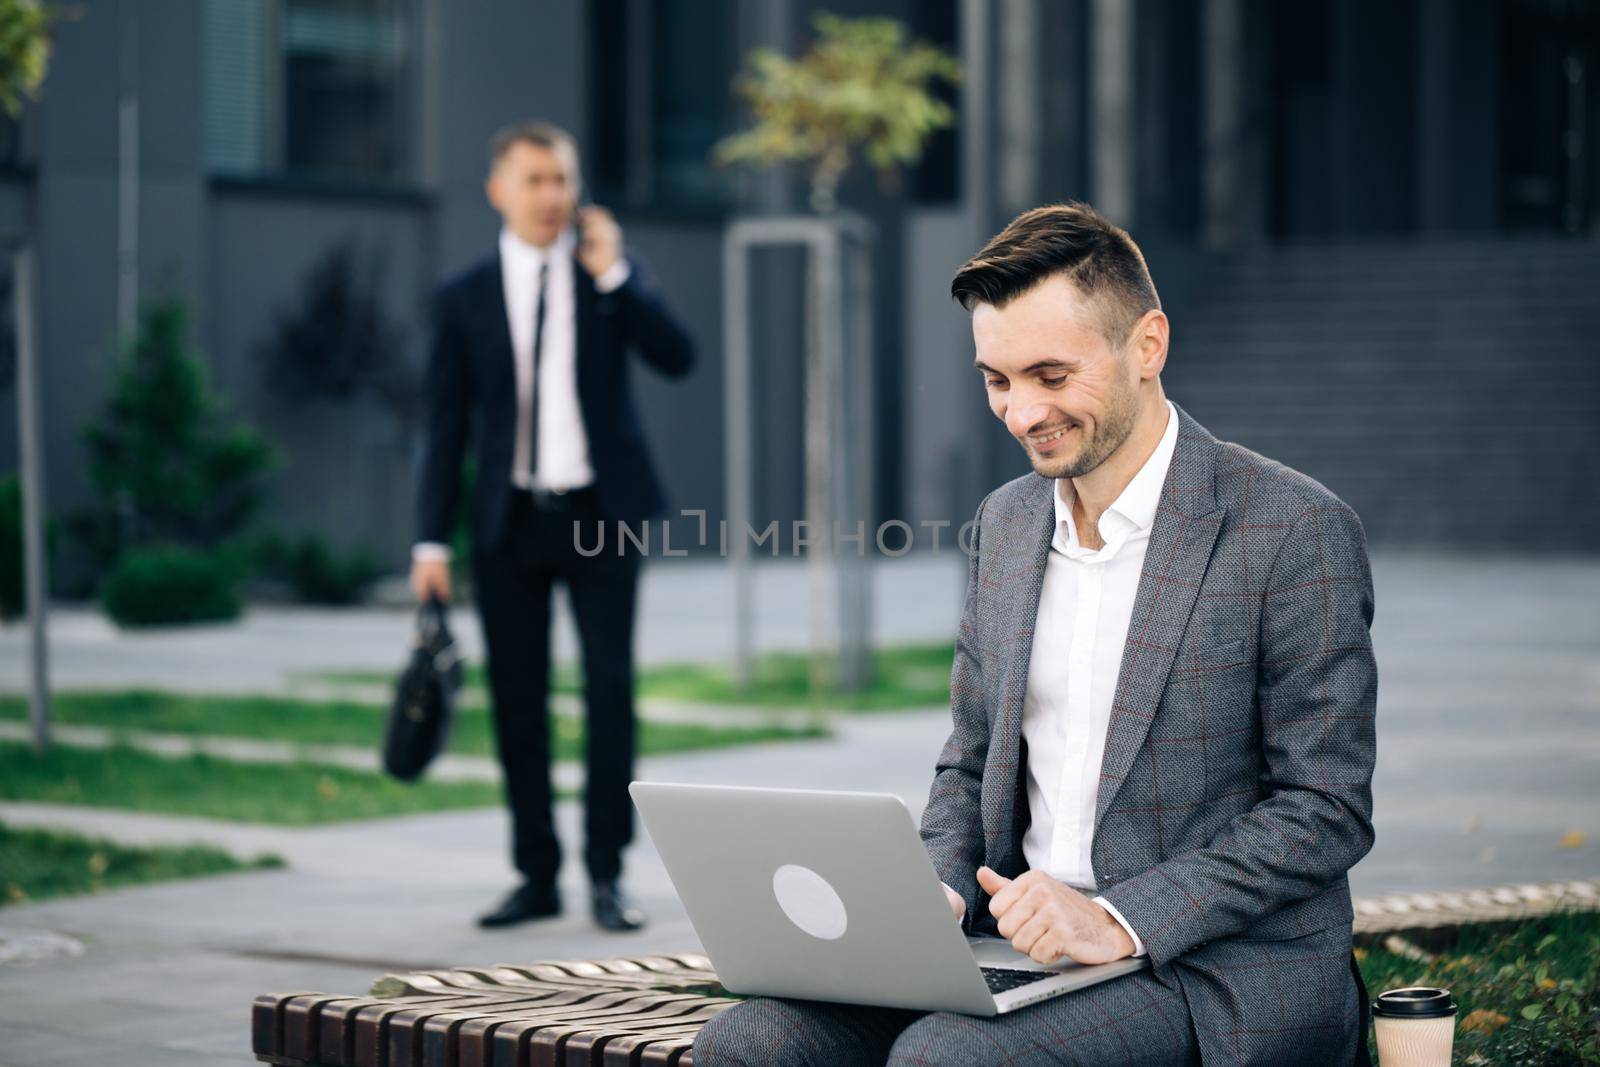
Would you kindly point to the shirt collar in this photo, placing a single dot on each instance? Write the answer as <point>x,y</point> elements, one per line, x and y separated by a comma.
<point>1135,507</point>
<point>514,249</point>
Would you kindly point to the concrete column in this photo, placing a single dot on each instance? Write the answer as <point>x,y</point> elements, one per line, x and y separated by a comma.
<point>1229,164</point>
<point>1458,147</point>
<point>1112,117</point>
<point>1017,84</point>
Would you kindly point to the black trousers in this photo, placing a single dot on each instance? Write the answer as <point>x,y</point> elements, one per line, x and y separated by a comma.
<point>512,584</point>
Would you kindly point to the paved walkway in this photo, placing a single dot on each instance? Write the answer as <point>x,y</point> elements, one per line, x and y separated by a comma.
<point>1489,757</point>
<point>685,607</point>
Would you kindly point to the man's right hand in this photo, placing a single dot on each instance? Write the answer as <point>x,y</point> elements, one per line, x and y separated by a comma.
<point>430,577</point>
<point>957,905</point>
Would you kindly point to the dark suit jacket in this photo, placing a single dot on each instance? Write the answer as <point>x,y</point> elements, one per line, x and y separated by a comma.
<point>1235,790</point>
<point>471,396</point>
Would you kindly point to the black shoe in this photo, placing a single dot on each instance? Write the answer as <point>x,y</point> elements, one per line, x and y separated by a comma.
<point>612,909</point>
<point>528,902</point>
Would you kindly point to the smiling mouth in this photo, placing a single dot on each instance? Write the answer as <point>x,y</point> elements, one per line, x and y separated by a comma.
<point>1045,439</point>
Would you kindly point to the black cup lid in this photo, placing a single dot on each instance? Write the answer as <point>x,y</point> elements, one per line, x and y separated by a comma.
<point>1414,1002</point>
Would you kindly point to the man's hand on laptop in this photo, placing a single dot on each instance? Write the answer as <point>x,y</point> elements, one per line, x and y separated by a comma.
<point>957,905</point>
<point>1049,920</point>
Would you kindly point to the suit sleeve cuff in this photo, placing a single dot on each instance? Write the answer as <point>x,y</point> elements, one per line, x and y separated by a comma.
<point>1111,909</point>
<point>613,277</point>
<point>430,552</point>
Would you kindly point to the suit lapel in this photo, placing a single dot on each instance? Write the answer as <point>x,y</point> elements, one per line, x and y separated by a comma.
<point>1185,530</point>
<point>501,357</point>
<point>1024,545</point>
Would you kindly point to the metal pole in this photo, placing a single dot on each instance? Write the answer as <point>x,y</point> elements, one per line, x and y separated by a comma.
<point>32,459</point>
<point>736,448</point>
<point>856,404</point>
<point>822,359</point>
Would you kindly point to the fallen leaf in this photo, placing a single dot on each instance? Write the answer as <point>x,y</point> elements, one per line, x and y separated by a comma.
<point>1485,1020</point>
<point>1361,954</point>
<point>98,863</point>
<point>327,788</point>
<point>15,893</point>
<point>1573,838</point>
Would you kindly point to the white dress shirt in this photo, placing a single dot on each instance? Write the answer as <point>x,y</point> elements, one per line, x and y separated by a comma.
<point>561,461</point>
<point>1084,611</point>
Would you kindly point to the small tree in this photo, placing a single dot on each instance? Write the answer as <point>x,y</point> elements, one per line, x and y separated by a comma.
<point>338,343</point>
<point>170,467</point>
<point>24,51</point>
<point>863,85</point>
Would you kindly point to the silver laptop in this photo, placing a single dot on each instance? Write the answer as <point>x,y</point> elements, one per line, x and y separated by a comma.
<point>830,896</point>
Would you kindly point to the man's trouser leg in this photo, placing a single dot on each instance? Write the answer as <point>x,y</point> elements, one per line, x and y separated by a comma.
<point>603,588</point>
<point>799,1033</point>
<point>512,589</point>
<point>1133,1020</point>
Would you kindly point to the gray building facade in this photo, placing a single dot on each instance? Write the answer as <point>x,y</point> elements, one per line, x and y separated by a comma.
<point>1373,225</point>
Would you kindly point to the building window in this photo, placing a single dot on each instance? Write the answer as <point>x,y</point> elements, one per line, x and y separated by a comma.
<point>661,74</point>
<point>316,89</point>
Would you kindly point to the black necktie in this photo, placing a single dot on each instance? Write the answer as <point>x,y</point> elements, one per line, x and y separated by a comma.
<point>538,339</point>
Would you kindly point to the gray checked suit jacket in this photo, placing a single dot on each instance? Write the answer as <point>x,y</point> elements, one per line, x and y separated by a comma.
<point>1235,791</point>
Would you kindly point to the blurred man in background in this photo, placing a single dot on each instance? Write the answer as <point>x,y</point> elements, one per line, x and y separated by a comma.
<point>529,360</point>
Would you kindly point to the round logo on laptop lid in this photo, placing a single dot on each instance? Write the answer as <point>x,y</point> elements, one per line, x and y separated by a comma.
<point>809,901</point>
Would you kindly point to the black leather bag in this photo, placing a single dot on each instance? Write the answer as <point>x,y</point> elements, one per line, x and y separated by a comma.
<point>425,696</point>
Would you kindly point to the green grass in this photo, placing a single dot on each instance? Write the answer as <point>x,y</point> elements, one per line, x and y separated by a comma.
<point>1527,993</point>
<point>293,794</point>
<point>913,676</point>
<point>40,864</point>
<point>337,722</point>
<point>910,676</point>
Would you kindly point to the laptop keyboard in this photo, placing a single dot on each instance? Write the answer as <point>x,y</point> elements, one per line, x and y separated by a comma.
<point>1004,979</point>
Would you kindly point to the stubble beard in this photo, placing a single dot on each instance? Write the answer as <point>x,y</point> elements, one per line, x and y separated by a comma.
<point>1121,415</point>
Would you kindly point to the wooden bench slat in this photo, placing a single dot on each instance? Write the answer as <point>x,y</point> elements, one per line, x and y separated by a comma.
<point>586,1047</point>
<point>633,1011</point>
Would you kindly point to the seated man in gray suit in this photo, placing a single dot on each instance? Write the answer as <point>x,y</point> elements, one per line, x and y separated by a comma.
<point>1162,695</point>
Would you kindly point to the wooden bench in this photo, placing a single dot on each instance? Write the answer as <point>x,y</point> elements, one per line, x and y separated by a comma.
<point>647,1010</point>
<point>638,1011</point>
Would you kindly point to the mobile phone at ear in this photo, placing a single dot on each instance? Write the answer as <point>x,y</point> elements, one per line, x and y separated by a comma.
<point>577,215</point>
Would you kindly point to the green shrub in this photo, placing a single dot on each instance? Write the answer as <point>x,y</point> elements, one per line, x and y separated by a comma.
<point>166,585</point>
<point>169,463</point>
<point>316,571</point>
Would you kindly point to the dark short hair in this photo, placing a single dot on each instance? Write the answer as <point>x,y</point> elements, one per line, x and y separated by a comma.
<point>1072,239</point>
<point>544,134</point>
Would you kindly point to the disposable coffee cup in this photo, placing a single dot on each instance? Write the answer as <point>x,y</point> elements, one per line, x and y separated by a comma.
<point>1416,1027</point>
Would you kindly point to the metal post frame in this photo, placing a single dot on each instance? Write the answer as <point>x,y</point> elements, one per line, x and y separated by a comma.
<point>32,462</point>
<point>838,437</point>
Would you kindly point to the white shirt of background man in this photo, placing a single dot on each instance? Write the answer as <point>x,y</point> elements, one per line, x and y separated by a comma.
<point>563,452</point>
